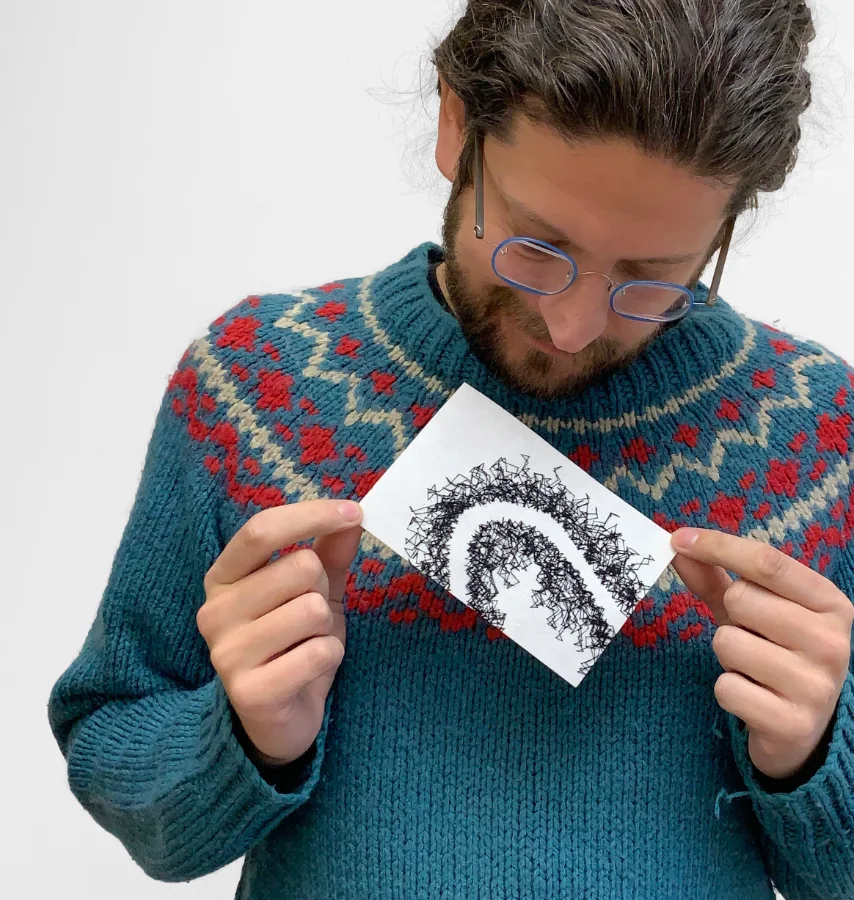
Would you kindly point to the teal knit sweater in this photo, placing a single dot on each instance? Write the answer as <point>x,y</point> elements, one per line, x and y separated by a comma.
<point>451,763</point>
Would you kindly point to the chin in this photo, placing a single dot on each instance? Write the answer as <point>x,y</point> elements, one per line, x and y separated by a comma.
<point>547,377</point>
<point>537,374</point>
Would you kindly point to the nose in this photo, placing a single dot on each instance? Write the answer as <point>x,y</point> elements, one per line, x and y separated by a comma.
<point>578,315</point>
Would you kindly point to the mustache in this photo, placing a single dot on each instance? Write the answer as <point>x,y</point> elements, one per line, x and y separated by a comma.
<point>504,300</point>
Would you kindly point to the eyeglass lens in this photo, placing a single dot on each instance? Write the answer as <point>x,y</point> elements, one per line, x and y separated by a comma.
<point>530,266</point>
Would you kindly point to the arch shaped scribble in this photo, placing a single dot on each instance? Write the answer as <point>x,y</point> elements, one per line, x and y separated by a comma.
<point>504,546</point>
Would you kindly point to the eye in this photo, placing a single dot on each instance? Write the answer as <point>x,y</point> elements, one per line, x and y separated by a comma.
<point>532,252</point>
<point>634,273</point>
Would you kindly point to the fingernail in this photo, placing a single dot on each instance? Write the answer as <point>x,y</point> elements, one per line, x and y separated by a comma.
<point>684,538</point>
<point>350,511</point>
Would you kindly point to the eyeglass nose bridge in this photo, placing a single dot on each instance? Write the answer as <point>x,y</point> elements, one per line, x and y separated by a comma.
<point>611,283</point>
<point>575,274</point>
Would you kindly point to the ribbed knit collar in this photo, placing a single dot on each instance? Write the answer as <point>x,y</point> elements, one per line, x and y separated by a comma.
<point>681,358</point>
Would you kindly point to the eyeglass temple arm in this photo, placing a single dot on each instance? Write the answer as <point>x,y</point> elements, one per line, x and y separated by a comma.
<point>719,268</point>
<point>478,185</point>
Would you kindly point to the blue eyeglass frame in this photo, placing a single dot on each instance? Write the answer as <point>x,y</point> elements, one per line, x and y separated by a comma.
<point>710,299</point>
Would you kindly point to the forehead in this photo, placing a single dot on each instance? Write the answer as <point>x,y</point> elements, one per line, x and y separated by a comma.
<point>602,192</point>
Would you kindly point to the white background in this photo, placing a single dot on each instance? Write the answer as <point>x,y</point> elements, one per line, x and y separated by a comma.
<point>158,162</point>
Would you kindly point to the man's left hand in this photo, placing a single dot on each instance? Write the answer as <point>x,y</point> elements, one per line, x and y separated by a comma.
<point>783,639</point>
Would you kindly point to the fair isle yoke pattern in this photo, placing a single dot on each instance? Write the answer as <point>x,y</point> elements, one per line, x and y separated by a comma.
<point>450,762</point>
<point>308,395</point>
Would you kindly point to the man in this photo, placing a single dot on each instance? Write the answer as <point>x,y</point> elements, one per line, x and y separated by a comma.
<point>599,155</point>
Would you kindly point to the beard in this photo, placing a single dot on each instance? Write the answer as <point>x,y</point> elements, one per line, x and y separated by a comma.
<point>484,314</point>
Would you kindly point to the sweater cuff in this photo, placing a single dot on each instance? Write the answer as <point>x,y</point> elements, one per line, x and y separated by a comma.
<point>190,766</point>
<point>289,778</point>
<point>818,814</point>
<point>282,794</point>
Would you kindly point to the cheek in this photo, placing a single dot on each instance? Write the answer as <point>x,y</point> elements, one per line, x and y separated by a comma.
<point>474,258</point>
<point>477,255</point>
<point>482,256</point>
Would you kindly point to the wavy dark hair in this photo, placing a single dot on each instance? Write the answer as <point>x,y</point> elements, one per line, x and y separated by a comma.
<point>717,86</point>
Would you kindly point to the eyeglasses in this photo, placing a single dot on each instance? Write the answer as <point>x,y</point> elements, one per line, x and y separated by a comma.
<point>540,268</point>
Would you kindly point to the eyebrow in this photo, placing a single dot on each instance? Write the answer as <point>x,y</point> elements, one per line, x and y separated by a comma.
<point>556,234</point>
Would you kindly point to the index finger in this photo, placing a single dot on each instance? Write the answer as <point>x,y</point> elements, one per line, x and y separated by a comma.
<point>760,563</point>
<point>272,529</point>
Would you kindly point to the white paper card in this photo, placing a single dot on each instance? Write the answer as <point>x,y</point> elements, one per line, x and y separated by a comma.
<point>493,513</point>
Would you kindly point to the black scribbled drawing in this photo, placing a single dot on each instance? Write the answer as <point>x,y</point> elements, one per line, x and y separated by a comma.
<point>505,545</point>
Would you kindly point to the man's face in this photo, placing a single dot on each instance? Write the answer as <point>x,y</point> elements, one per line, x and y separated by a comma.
<point>618,212</point>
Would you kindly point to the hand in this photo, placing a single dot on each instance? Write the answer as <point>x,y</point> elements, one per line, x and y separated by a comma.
<point>783,637</point>
<point>276,630</point>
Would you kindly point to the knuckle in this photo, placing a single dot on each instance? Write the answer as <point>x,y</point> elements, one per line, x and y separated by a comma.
<point>734,595</point>
<point>846,610</point>
<point>724,639</point>
<point>205,620</point>
<point>214,615</point>
<point>228,653</point>
<point>221,658</point>
<point>208,583</point>
<point>317,612</point>
<point>771,563</point>
<point>835,651</point>
<point>307,563</point>
<point>256,531</point>
<point>822,690</point>
<point>325,653</point>
<point>724,689</point>
<point>243,694</point>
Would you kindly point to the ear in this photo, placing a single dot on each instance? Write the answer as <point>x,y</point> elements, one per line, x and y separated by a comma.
<point>449,144</point>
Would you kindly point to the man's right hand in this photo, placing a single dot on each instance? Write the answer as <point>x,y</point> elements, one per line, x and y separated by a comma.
<point>276,630</point>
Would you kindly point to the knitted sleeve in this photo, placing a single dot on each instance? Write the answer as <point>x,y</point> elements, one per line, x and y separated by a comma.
<point>143,722</point>
<point>809,831</point>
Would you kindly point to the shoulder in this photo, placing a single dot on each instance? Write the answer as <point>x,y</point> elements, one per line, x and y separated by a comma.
<point>788,377</point>
<point>263,349</point>
<point>265,327</point>
<point>263,395</point>
<point>789,422</point>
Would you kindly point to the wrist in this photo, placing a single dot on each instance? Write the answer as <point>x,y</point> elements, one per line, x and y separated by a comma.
<point>283,775</point>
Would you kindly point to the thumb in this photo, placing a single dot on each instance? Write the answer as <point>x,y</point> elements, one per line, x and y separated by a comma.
<point>706,583</point>
<point>337,552</point>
